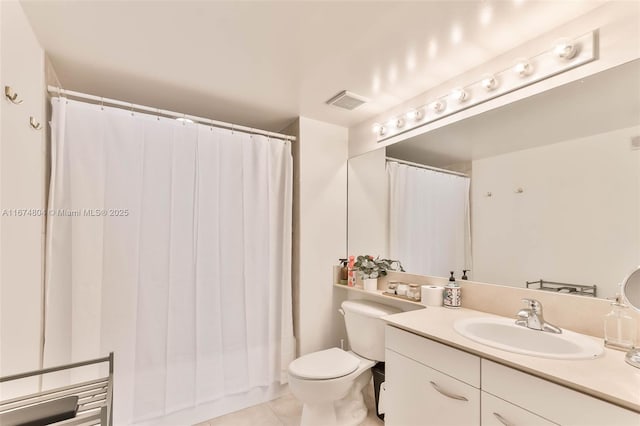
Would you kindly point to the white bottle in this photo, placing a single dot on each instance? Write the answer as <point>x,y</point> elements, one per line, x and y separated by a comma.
<point>452,294</point>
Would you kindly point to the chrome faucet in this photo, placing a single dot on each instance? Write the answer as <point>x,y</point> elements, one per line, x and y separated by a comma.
<point>531,317</point>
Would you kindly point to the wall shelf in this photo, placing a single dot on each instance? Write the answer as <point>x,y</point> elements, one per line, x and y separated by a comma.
<point>377,294</point>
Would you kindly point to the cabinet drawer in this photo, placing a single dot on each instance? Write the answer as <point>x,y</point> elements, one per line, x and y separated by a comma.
<point>455,363</point>
<point>418,395</point>
<point>496,412</point>
<point>551,401</point>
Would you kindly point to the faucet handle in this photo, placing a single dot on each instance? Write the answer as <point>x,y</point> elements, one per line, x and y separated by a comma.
<point>534,305</point>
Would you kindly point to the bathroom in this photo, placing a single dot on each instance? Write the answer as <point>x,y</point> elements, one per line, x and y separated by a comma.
<point>177,192</point>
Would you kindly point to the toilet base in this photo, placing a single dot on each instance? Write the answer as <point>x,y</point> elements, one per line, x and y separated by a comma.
<point>348,411</point>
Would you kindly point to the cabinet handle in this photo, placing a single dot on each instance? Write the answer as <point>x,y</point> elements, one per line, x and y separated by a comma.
<point>502,420</point>
<point>34,124</point>
<point>11,96</point>
<point>447,394</point>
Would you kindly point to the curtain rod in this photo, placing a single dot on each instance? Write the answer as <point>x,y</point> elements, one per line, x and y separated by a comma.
<point>422,166</point>
<point>163,112</point>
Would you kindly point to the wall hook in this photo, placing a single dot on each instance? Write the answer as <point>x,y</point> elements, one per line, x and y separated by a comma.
<point>34,124</point>
<point>11,96</point>
<point>518,190</point>
<point>488,194</point>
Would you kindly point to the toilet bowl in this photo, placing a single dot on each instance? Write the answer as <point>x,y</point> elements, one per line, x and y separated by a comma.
<point>330,383</point>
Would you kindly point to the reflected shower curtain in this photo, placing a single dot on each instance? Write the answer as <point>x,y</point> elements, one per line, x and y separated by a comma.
<point>170,244</point>
<point>429,227</point>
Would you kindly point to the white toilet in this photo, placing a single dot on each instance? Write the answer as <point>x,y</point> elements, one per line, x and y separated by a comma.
<point>329,383</point>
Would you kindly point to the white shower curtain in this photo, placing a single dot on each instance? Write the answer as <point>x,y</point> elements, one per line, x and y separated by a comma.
<point>170,244</point>
<point>429,230</point>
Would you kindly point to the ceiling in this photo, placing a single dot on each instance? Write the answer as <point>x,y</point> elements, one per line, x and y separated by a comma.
<point>574,110</point>
<point>263,63</point>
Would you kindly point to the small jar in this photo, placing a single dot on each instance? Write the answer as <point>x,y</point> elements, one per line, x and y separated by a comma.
<point>414,292</point>
<point>392,286</point>
<point>402,289</point>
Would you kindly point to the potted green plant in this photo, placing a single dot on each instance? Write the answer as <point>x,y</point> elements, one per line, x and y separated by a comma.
<point>370,269</point>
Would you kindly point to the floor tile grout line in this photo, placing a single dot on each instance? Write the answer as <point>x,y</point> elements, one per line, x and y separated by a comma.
<point>274,412</point>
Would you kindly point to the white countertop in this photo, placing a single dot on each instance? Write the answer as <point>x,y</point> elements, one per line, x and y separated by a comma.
<point>609,377</point>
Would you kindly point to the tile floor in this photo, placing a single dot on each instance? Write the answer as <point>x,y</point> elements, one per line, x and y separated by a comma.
<point>284,411</point>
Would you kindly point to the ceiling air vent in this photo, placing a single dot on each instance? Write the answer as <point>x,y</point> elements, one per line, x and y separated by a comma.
<point>347,100</point>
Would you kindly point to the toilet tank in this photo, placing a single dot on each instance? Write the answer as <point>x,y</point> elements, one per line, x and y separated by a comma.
<point>365,329</point>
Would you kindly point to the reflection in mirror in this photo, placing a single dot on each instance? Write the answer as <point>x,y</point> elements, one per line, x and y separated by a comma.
<point>555,189</point>
<point>428,218</point>
<point>631,289</point>
<point>631,292</point>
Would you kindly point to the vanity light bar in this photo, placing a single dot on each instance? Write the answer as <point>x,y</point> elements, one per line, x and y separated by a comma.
<point>566,54</point>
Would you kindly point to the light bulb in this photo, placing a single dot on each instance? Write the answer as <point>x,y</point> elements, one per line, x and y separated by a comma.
<point>486,13</point>
<point>523,68</point>
<point>414,115</point>
<point>459,95</point>
<point>400,123</point>
<point>382,131</point>
<point>565,49</point>
<point>376,128</point>
<point>438,106</point>
<point>489,82</point>
<point>456,34</point>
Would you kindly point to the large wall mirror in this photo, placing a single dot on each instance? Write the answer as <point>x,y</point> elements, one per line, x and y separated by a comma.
<point>543,189</point>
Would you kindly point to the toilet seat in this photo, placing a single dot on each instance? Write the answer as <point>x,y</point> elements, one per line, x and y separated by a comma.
<point>328,364</point>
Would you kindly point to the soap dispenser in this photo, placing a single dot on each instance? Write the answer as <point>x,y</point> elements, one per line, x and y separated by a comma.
<point>619,327</point>
<point>344,270</point>
<point>452,294</point>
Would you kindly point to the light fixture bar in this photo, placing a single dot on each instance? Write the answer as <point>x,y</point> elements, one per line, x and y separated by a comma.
<point>565,55</point>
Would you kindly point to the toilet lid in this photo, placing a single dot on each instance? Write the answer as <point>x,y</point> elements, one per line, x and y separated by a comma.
<point>328,364</point>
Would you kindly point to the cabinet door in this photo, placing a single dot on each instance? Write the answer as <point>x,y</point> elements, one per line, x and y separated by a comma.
<point>498,412</point>
<point>421,396</point>
<point>554,402</point>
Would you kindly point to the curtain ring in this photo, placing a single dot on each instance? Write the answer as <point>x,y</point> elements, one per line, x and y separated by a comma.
<point>131,109</point>
<point>184,119</point>
<point>102,103</point>
<point>158,114</point>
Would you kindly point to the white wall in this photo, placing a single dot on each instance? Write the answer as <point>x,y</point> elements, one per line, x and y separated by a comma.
<point>618,40</point>
<point>575,222</point>
<point>22,186</point>
<point>319,240</point>
<point>368,192</point>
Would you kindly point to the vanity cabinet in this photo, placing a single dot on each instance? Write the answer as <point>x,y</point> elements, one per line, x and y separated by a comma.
<point>429,383</point>
<point>498,412</point>
<point>554,402</point>
<point>419,395</point>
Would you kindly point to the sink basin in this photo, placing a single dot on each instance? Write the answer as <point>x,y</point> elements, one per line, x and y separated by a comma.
<point>503,333</point>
